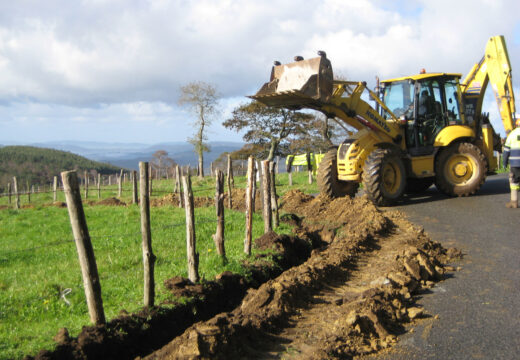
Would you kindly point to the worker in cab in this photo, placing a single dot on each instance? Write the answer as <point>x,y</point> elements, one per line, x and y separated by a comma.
<point>512,157</point>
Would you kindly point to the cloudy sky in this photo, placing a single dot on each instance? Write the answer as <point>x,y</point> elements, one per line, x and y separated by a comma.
<point>110,70</point>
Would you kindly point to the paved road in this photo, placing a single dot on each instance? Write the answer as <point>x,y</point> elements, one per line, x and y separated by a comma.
<point>479,306</point>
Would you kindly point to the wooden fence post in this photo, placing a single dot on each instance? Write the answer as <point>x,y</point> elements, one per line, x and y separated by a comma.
<point>179,188</point>
<point>28,192</point>
<point>55,189</point>
<point>250,205</point>
<point>150,188</point>
<point>266,196</point>
<point>146,234</point>
<point>274,200</point>
<point>16,193</point>
<point>86,185</point>
<point>109,180</point>
<point>134,187</point>
<point>9,193</point>
<point>309,167</point>
<point>120,184</point>
<point>99,186</point>
<point>193,256</point>
<point>86,256</point>
<point>253,195</point>
<point>288,167</point>
<point>211,169</point>
<point>229,181</point>
<point>218,237</point>
<point>261,182</point>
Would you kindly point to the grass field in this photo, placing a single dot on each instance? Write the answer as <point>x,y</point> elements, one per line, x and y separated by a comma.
<point>40,280</point>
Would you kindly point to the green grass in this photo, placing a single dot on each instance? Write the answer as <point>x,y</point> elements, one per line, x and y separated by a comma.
<point>38,261</point>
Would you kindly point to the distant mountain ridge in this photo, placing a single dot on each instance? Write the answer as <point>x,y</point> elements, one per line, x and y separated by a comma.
<point>128,155</point>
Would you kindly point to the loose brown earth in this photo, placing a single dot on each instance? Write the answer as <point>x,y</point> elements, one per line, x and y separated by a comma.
<point>343,285</point>
<point>351,297</point>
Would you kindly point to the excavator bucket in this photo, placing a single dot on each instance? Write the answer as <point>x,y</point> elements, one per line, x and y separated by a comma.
<point>298,83</point>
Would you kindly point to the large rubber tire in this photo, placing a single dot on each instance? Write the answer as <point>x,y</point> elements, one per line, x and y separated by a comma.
<point>328,181</point>
<point>460,169</point>
<point>417,186</point>
<point>384,176</point>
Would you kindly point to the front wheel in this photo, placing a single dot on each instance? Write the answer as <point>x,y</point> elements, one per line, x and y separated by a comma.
<point>328,181</point>
<point>384,176</point>
<point>460,169</point>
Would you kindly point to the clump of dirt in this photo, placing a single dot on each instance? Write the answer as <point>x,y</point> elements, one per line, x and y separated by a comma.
<point>173,199</point>
<point>334,309</point>
<point>108,202</point>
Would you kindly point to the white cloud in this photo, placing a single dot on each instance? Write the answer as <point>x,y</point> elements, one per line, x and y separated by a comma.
<point>127,59</point>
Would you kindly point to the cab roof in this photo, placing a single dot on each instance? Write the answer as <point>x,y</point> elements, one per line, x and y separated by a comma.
<point>422,76</point>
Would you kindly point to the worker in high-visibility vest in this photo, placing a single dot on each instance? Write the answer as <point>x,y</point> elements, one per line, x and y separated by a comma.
<point>512,156</point>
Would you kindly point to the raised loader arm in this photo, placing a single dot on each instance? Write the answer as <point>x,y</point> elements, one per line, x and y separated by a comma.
<point>309,84</point>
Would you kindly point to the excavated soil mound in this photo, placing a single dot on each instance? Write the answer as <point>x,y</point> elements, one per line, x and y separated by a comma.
<point>108,202</point>
<point>350,297</point>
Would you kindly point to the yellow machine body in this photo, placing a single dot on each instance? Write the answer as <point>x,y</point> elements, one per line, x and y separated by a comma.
<point>437,112</point>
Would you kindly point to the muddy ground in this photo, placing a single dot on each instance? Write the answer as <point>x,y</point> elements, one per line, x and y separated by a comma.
<point>344,285</point>
<point>351,297</point>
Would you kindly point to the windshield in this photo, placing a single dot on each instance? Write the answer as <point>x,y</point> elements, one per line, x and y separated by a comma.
<point>398,97</point>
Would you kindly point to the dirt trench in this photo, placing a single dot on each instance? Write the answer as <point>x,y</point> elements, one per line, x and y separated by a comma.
<point>351,297</point>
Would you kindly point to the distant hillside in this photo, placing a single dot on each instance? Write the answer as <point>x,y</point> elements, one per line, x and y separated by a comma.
<point>128,155</point>
<point>40,165</point>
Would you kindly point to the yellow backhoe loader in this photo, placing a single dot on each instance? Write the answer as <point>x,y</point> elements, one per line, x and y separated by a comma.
<point>425,128</point>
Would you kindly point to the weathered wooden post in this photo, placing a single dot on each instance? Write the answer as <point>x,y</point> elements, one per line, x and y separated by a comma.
<point>253,195</point>
<point>261,181</point>
<point>211,169</point>
<point>86,185</point>
<point>134,187</point>
<point>99,186</point>
<point>120,184</point>
<point>109,179</point>
<point>266,196</point>
<point>28,191</point>
<point>193,256</point>
<point>146,235</point>
<point>178,180</point>
<point>250,205</point>
<point>86,256</point>
<point>288,167</point>
<point>218,237</point>
<point>274,200</point>
<point>9,193</point>
<point>229,181</point>
<point>16,193</point>
<point>150,187</point>
<point>55,189</point>
<point>309,167</point>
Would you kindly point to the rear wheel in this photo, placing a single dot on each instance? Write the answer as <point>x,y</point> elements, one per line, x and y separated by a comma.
<point>328,181</point>
<point>418,185</point>
<point>384,176</point>
<point>460,169</point>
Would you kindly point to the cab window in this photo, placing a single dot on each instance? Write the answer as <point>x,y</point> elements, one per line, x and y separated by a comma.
<point>398,97</point>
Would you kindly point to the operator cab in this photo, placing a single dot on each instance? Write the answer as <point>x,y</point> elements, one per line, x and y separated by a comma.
<point>425,104</point>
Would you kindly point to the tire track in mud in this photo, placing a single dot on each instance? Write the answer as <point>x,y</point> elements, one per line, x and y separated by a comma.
<point>350,297</point>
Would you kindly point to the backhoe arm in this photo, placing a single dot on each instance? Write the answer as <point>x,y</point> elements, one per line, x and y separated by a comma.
<point>494,68</point>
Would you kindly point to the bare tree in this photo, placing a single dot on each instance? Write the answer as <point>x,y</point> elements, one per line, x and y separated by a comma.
<point>161,162</point>
<point>202,100</point>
